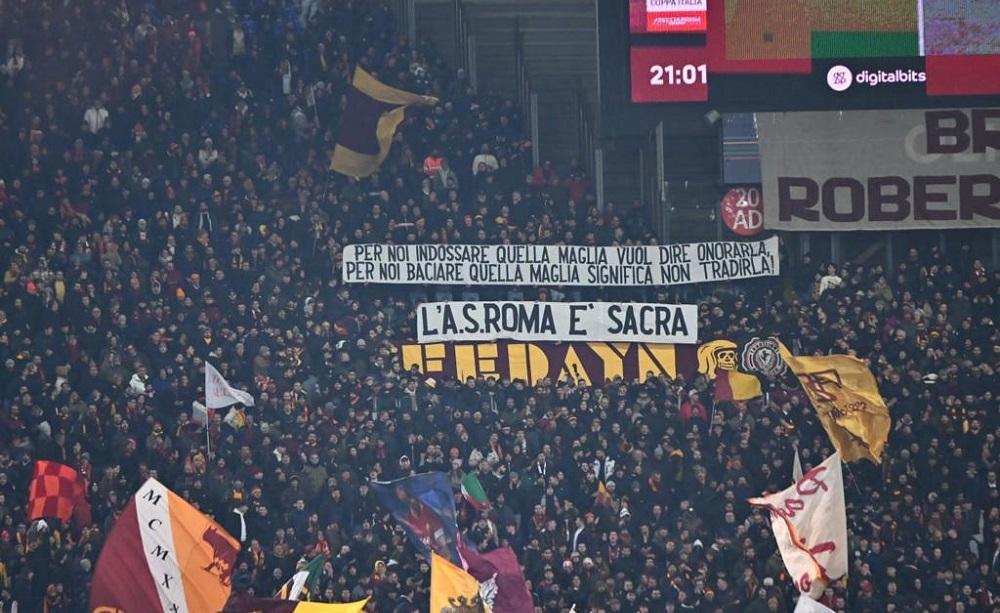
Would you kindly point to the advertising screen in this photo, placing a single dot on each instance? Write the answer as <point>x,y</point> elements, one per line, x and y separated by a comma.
<point>804,29</point>
<point>654,16</point>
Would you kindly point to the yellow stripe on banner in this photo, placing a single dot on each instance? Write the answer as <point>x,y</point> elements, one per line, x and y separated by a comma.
<point>353,164</point>
<point>321,607</point>
<point>372,87</point>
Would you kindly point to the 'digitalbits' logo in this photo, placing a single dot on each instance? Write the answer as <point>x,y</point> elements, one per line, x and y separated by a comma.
<point>839,78</point>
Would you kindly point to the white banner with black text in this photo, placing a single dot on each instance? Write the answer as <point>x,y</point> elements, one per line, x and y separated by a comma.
<point>617,322</point>
<point>643,265</point>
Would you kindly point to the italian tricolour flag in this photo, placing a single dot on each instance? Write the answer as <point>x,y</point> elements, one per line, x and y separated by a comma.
<point>473,492</point>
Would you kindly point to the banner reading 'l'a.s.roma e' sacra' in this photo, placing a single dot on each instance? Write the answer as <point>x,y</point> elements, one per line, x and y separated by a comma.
<point>619,322</point>
<point>643,265</point>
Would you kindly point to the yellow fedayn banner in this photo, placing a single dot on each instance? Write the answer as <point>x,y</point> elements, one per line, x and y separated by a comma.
<point>845,395</point>
<point>593,362</point>
<point>453,589</point>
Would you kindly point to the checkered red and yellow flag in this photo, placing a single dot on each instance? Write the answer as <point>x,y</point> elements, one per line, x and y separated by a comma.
<point>58,491</point>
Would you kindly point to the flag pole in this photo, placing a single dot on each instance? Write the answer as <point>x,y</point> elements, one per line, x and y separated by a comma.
<point>711,418</point>
<point>854,479</point>
<point>208,441</point>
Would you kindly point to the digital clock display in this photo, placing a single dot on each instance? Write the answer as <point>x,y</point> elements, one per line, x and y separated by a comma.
<point>688,74</point>
<point>805,54</point>
<point>669,74</point>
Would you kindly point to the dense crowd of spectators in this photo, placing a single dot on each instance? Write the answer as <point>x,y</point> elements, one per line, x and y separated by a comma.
<point>165,200</point>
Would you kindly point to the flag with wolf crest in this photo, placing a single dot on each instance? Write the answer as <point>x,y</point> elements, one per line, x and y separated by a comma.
<point>163,556</point>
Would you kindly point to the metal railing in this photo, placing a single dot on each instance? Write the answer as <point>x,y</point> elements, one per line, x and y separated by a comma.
<point>465,43</point>
<point>585,129</point>
<point>405,12</point>
<point>461,33</point>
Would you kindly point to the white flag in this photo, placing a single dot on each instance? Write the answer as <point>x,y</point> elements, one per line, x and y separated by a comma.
<point>298,582</point>
<point>808,605</point>
<point>199,413</point>
<point>809,522</point>
<point>218,392</point>
<point>796,468</point>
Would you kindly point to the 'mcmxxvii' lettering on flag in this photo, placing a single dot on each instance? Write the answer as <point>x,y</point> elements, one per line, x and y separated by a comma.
<point>163,556</point>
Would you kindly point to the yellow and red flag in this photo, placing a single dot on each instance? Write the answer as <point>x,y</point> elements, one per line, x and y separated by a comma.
<point>163,556</point>
<point>718,361</point>
<point>732,385</point>
<point>603,496</point>
<point>453,589</point>
<point>368,125</point>
<point>845,395</point>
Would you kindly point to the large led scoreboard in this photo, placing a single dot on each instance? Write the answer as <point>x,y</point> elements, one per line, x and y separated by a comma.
<point>760,55</point>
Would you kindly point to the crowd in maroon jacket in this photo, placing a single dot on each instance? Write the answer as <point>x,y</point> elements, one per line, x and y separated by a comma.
<point>165,200</point>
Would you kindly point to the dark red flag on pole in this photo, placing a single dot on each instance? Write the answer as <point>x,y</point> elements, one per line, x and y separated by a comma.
<point>501,566</point>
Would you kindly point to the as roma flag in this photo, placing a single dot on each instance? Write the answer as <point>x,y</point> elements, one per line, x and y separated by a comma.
<point>58,491</point>
<point>424,506</point>
<point>163,556</point>
<point>453,590</point>
<point>368,125</point>
<point>731,385</point>
<point>500,569</point>
<point>845,395</point>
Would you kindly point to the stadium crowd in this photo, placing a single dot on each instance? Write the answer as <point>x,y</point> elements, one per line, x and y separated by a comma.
<point>165,200</point>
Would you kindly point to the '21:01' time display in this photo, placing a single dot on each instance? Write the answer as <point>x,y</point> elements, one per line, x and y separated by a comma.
<point>688,74</point>
<point>669,74</point>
